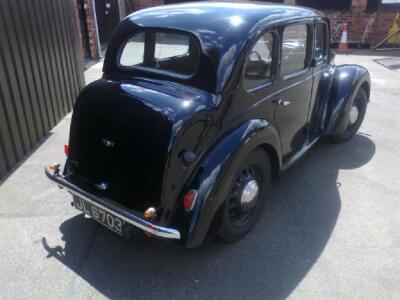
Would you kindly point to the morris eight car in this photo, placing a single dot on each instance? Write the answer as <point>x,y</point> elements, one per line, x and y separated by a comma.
<point>199,107</point>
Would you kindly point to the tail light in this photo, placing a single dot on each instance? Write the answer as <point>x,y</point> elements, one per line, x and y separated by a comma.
<point>189,200</point>
<point>66,149</point>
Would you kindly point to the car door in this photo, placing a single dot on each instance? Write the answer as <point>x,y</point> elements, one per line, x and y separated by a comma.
<point>296,80</point>
<point>321,65</point>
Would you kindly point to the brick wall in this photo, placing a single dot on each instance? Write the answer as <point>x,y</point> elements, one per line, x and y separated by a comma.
<point>384,22</point>
<point>358,18</point>
<point>92,31</point>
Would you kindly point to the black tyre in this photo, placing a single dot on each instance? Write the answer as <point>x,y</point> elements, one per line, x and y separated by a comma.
<point>250,186</point>
<point>354,117</point>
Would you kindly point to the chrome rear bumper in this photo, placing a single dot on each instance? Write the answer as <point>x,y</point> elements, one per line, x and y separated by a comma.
<point>53,173</point>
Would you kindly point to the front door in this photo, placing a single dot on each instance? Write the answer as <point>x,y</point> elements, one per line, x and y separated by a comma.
<point>296,80</point>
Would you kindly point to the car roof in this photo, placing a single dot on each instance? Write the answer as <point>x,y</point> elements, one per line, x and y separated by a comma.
<point>222,28</point>
<point>191,15</point>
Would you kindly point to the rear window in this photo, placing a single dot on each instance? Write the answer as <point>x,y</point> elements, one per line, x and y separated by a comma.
<point>161,51</point>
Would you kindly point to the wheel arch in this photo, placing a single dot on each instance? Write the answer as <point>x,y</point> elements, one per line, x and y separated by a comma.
<point>346,81</point>
<point>224,157</point>
<point>274,159</point>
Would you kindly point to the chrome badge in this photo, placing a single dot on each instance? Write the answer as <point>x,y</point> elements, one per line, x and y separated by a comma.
<point>101,186</point>
<point>108,143</point>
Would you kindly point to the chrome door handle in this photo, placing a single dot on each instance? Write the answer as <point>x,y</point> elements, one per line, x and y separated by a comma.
<point>281,102</point>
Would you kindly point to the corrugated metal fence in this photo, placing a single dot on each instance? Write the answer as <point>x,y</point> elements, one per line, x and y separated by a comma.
<point>41,72</point>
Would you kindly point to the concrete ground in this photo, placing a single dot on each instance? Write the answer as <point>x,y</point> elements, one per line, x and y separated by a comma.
<point>332,231</point>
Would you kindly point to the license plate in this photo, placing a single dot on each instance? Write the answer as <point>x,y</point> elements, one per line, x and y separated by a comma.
<point>100,215</point>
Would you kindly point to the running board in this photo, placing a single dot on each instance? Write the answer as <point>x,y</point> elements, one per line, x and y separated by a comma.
<point>291,161</point>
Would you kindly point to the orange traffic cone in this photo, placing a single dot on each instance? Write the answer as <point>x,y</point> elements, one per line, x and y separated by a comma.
<point>343,41</point>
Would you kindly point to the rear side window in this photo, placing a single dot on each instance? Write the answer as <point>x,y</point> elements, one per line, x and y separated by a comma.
<point>294,49</point>
<point>133,53</point>
<point>172,52</point>
<point>321,43</point>
<point>258,68</point>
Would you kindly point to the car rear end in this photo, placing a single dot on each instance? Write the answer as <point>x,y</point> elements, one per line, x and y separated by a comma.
<point>125,164</point>
<point>118,148</point>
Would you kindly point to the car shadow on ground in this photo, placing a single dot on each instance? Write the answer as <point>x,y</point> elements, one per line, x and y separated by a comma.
<point>268,263</point>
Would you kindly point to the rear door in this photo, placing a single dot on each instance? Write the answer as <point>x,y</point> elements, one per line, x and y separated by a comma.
<point>296,81</point>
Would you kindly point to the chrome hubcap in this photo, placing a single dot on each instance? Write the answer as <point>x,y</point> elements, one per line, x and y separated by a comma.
<point>249,194</point>
<point>244,196</point>
<point>353,114</point>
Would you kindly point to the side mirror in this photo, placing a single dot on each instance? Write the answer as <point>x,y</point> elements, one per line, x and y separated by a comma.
<point>331,56</point>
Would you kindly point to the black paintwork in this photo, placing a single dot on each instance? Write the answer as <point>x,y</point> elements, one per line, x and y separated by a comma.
<point>153,118</point>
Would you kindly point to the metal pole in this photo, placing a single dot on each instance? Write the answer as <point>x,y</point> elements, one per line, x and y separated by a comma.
<point>97,29</point>
<point>388,37</point>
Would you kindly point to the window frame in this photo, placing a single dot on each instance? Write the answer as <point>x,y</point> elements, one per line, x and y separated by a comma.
<point>274,63</point>
<point>326,41</point>
<point>193,44</point>
<point>309,49</point>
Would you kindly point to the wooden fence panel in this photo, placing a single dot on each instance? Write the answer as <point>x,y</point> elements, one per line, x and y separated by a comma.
<point>41,72</point>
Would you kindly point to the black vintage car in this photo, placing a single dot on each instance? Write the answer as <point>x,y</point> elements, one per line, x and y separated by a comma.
<point>199,107</point>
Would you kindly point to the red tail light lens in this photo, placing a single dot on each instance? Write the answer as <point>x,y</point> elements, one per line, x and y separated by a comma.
<point>189,200</point>
<point>66,149</point>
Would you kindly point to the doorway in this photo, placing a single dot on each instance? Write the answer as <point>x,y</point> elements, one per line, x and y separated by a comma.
<point>107,14</point>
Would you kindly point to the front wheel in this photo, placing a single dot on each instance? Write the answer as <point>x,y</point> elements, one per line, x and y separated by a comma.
<point>354,117</point>
<point>249,188</point>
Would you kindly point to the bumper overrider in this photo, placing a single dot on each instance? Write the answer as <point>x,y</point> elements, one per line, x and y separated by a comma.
<point>53,173</point>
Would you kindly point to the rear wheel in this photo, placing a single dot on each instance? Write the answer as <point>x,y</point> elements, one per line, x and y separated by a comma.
<point>354,117</point>
<point>249,188</point>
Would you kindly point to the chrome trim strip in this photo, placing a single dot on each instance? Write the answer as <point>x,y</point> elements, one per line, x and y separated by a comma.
<point>113,208</point>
